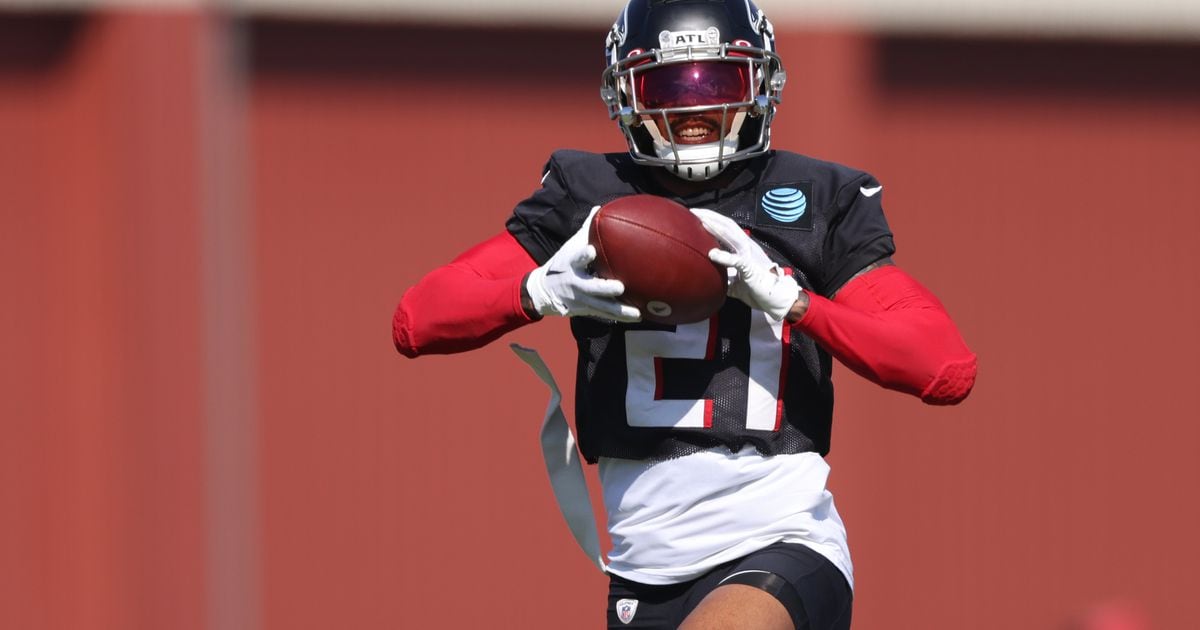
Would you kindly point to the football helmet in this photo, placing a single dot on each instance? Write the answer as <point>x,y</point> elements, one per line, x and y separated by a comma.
<point>693,84</point>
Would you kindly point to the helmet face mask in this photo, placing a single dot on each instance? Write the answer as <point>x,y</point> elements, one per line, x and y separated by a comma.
<point>693,84</point>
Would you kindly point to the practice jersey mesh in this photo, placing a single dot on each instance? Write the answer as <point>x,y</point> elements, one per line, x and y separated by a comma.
<point>653,392</point>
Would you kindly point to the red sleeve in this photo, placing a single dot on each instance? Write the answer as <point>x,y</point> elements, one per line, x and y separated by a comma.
<point>466,304</point>
<point>888,328</point>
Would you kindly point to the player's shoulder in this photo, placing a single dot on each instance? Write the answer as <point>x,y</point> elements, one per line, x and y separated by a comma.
<point>785,163</point>
<point>575,161</point>
<point>593,176</point>
<point>579,156</point>
<point>837,182</point>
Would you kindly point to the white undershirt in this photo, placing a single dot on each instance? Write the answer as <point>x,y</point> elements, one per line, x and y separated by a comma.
<point>674,520</point>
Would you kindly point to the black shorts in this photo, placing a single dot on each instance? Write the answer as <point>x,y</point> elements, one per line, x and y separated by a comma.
<point>812,589</point>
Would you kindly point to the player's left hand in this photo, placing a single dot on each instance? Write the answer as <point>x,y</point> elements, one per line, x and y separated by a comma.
<point>759,282</point>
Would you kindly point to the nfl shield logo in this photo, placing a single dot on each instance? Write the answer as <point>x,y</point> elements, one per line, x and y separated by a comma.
<point>626,609</point>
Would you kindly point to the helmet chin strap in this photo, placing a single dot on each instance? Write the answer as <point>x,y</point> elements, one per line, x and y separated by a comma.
<point>697,172</point>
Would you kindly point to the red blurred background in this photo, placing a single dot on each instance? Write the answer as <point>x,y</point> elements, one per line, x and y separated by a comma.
<point>207,223</point>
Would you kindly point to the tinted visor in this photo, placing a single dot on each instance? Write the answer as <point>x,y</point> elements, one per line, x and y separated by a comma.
<point>693,84</point>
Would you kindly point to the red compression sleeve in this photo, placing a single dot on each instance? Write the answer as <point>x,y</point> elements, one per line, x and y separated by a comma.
<point>888,328</point>
<point>467,303</point>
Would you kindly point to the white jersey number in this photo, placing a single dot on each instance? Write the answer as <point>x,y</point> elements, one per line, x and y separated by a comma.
<point>645,349</point>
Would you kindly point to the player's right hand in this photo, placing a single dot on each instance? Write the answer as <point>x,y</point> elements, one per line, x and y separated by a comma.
<point>564,286</point>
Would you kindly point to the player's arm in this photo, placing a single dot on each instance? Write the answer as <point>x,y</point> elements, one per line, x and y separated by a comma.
<point>887,327</point>
<point>496,287</point>
<point>882,323</point>
<point>467,303</point>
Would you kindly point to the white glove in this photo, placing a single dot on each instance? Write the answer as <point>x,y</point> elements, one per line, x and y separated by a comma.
<point>759,282</point>
<point>564,286</point>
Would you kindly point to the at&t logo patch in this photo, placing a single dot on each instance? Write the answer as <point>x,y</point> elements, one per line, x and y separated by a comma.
<point>786,206</point>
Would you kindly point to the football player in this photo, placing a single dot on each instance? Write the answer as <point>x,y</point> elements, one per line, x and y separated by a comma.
<point>718,510</point>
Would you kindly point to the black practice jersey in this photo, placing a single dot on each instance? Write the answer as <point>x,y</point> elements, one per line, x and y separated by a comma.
<point>651,391</point>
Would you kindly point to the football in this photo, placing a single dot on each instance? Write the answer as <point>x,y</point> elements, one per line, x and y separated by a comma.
<point>660,251</point>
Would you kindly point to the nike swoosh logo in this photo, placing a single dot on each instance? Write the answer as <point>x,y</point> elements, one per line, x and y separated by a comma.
<point>869,192</point>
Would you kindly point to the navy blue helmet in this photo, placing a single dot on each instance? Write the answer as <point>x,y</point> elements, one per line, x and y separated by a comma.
<point>693,84</point>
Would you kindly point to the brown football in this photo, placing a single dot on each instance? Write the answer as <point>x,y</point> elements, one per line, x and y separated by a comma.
<point>660,251</point>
